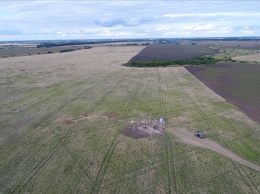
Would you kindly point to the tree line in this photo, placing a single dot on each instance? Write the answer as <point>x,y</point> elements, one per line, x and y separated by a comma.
<point>164,63</point>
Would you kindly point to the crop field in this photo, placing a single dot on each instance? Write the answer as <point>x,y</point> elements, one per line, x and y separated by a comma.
<point>63,118</point>
<point>27,49</point>
<point>254,57</point>
<point>172,52</point>
<point>238,83</point>
<point>235,44</point>
<point>237,54</point>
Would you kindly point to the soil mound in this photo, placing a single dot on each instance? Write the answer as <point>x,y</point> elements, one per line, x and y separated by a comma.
<point>111,115</point>
<point>141,130</point>
<point>69,121</point>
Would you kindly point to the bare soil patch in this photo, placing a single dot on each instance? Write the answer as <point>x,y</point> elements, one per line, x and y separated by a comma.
<point>69,121</point>
<point>189,138</point>
<point>172,52</point>
<point>111,115</point>
<point>142,130</point>
<point>91,115</point>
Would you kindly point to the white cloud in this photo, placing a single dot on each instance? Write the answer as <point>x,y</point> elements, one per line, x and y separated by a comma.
<point>246,30</point>
<point>199,27</point>
<point>105,33</point>
<point>21,20</point>
<point>233,14</point>
<point>163,28</point>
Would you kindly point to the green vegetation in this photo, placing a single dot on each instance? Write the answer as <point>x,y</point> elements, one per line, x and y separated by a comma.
<point>66,50</point>
<point>41,151</point>
<point>230,53</point>
<point>160,63</point>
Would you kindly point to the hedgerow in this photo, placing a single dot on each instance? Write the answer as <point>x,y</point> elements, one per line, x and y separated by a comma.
<point>164,63</point>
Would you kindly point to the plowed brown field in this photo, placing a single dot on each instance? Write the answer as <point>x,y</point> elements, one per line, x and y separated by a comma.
<point>237,83</point>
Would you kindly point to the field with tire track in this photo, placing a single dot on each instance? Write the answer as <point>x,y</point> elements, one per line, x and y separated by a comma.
<point>62,119</point>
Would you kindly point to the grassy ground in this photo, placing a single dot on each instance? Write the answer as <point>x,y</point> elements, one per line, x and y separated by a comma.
<point>254,57</point>
<point>234,53</point>
<point>27,49</point>
<point>40,153</point>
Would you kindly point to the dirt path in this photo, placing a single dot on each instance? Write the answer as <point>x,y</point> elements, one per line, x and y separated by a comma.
<point>189,138</point>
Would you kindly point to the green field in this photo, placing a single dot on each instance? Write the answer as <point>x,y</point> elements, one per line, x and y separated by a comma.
<point>231,53</point>
<point>42,153</point>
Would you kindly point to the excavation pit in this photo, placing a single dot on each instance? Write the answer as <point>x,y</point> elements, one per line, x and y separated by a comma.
<point>142,130</point>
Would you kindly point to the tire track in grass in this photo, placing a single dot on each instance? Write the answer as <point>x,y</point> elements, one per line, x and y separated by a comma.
<point>4,122</point>
<point>126,177</point>
<point>170,164</point>
<point>39,166</point>
<point>103,168</point>
<point>45,120</point>
<point>133,96</point>
<point>107,94</point>
<point>56,148</point>
<point>74,157</point>
<point>80,165</point>
<point>211,126</point>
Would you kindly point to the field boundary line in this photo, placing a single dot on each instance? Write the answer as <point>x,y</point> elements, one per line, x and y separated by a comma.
<point>211,126</point>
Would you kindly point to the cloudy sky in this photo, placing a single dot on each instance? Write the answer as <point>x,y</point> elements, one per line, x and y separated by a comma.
<point>46,20</point>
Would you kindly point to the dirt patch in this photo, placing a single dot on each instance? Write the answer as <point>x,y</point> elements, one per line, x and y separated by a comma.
<point>142,130</point>
<point>90,115</point>
<point>189,138</point>
<point>87,115</point>
<point>111,115</point>
<point>69,121</point>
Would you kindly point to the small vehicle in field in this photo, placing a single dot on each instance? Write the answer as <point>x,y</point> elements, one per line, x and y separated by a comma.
<point>199,134</point>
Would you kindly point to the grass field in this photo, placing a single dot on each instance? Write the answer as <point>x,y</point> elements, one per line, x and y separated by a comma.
<point>237,54</point>
<point>253,57</point>
<point>42,152</point>
<point>14,50</point>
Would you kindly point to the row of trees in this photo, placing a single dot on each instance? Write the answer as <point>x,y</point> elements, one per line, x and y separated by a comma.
<point>159,63</point>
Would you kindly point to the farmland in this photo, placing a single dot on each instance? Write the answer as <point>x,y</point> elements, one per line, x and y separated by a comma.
<point>14,50</point>
<point>63,118</point>
<point>171,52</point>
<point>238,83</point>
<point>252,58</point>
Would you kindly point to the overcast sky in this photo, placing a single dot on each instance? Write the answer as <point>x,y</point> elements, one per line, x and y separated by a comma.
<point>46,20</point>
